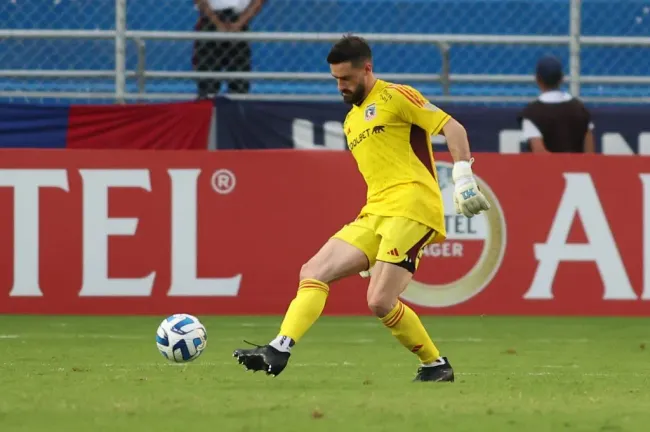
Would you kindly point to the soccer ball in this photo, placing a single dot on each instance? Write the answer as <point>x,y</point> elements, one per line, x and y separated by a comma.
<point>181,338</point>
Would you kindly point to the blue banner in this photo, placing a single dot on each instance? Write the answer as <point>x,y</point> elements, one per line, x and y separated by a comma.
<point>283,125</point>
<point>33,126</point>
<point>176,126</point>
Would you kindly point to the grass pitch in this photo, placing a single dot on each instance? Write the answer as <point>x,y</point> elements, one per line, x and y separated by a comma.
<point>348,374</point>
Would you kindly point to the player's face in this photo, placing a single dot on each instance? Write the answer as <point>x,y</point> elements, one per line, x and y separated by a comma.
<point>351,80</point>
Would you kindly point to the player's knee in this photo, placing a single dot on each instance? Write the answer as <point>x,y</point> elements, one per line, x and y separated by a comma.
<point>380,305</point>
<point>313,271</point>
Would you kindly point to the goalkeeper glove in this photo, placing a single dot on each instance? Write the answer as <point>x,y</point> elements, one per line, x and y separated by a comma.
<point>468,199</point>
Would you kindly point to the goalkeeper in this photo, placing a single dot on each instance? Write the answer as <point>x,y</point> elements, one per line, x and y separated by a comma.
<point>388,130</point>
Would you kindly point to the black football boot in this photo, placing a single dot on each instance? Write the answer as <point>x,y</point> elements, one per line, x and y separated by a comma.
<point>262,358</point>
<point>439,373</point>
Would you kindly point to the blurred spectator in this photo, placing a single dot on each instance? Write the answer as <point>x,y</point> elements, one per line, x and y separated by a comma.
<point>231,56</point>
<point>555,122</point>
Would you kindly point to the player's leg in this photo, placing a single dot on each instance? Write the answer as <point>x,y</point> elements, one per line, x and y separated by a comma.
<point>397,260</point>
<point>343,255</point>
<point>337,259</point>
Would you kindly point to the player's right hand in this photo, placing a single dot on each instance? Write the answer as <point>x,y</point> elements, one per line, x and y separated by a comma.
<point>468,198</point>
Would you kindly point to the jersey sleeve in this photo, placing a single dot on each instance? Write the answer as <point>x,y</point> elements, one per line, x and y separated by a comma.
<point>413,108</point>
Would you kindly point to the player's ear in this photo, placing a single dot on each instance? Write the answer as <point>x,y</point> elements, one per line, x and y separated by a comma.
<point>368,67</point>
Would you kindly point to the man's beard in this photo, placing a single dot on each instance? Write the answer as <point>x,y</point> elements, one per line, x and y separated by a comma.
<point>356,97</point>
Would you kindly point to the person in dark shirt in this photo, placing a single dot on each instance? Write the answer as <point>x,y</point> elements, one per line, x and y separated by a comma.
<point>224,55</point>
<point>555,122</point>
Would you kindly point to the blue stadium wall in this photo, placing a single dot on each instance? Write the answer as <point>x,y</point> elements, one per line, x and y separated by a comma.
<point>543,17</point>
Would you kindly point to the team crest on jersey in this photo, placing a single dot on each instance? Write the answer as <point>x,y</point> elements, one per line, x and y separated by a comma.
<point>371,112</point>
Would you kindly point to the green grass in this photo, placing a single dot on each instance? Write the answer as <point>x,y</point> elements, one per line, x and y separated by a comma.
<point>348,374</point>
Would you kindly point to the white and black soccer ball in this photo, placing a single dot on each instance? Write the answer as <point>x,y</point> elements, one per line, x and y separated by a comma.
<point>181,338</point>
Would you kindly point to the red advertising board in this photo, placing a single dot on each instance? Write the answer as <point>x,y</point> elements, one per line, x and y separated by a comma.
<point>155,232</point>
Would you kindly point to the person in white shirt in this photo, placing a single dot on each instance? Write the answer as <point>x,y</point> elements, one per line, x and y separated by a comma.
<point>556,121</point>
<point>232,56</point>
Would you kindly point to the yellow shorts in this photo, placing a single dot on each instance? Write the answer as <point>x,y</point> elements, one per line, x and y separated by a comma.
<point>392,239</point>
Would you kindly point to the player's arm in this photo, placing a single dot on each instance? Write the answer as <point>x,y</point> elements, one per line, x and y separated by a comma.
<point>468,198</point>
<point>457,140</point>
<point>415,109</point>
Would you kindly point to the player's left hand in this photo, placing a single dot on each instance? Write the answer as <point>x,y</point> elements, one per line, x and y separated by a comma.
<point>468,199</point>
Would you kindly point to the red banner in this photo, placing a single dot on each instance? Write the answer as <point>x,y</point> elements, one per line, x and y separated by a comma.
<point>122,232</point>
<point>165,126</point>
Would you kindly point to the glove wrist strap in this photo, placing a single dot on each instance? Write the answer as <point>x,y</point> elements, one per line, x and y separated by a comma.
<point>462,170</point>
<point>463,181</point>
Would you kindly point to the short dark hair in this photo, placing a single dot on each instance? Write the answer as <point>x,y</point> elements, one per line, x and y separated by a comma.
<point>549,71</point>
<point>350,48</point>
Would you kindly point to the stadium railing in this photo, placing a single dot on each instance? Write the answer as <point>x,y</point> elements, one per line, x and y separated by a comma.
<point>139,73</point>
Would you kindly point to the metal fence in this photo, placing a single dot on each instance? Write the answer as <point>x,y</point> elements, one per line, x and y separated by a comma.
<point>470,50</point>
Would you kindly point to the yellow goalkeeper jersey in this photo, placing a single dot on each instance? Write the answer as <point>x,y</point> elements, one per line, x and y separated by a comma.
<point>389,135</point>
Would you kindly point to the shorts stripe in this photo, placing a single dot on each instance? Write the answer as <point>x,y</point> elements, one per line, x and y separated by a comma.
<point>415,250</point>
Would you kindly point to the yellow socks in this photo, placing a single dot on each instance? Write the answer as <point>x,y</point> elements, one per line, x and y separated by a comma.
<point>309,303</point>
<point>408,329</point>
<point>303,312</point>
